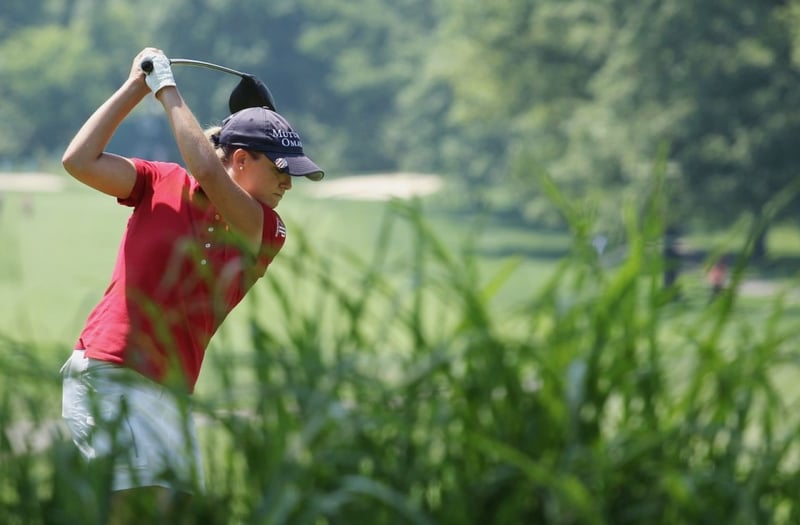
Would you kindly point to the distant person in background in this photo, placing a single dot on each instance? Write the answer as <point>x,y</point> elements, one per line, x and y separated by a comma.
<point>194,245</point>
<point>718,277</point>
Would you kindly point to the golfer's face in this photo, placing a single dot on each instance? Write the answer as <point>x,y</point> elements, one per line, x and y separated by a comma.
<point>269,184</point>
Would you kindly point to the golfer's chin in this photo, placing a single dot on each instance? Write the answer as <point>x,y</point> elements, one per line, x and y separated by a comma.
<point>273,201</point>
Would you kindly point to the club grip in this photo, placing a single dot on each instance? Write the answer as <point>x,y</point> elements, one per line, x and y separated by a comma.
<point>147,65</point>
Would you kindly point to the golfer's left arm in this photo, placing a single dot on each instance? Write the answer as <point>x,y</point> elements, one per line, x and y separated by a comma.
<point>239,209</point>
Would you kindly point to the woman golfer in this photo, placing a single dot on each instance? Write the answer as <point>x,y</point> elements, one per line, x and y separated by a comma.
<point>197,240</point>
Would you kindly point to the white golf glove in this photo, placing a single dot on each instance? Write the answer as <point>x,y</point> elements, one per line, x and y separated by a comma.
<point>161,75</point>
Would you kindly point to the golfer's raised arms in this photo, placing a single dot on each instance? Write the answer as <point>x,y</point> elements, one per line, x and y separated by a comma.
<point>85,157</point>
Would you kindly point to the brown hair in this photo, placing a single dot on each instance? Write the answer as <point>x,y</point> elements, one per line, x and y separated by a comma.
<point>223,151</point>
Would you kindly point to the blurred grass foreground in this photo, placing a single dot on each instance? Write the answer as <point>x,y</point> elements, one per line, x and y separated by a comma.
<point>406,395</point>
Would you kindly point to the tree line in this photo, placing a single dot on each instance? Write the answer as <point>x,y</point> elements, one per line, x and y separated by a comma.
<point>486,93</point>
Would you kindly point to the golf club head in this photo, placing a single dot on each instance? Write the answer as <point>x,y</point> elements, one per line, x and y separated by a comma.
<point>250,92</point>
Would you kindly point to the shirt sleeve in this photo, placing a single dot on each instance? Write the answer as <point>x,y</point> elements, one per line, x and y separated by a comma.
<point>146,171</point>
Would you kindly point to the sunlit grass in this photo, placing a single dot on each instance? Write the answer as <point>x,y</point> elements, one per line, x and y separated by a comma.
<point>386,382</point>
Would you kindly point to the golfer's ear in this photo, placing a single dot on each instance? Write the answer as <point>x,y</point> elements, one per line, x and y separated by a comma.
<point>238,158</point>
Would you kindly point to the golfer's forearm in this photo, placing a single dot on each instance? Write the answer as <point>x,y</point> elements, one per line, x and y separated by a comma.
<point>196,150</point>
<point>240,210</point>
<point>88,145</point>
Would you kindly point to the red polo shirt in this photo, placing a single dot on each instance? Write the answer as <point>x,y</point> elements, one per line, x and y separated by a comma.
<point>179,272</point>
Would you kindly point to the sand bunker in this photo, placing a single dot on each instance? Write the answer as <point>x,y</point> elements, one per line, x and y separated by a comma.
<point>377,187</point>
<point>31,182</point>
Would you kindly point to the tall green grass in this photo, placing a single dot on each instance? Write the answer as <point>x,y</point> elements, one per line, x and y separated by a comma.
<point>394,390</point>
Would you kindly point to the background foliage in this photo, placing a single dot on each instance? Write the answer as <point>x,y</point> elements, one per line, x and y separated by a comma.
<point>391,386</point>
<point>486,93</point>
<point>404,390</point>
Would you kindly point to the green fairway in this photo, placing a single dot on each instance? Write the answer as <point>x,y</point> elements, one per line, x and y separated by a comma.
<point>64,249</point>
<point>59,250</point>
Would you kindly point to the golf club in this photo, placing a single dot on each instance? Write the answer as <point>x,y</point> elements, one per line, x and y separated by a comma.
<point>249,92</point>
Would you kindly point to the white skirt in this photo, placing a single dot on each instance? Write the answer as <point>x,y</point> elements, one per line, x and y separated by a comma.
<point>147,430</point>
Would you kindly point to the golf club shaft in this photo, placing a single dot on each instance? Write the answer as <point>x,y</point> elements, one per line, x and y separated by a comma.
<point>147,65</point>
<point>250,92</point>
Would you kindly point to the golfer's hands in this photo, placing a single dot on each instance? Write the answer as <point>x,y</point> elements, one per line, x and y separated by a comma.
<point>160,73</point>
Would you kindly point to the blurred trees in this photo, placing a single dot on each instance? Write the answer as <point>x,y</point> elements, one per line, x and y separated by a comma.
<point>713,81</point>
<point>591,91</point>
<point>58,61</point>
<point>487,93</point>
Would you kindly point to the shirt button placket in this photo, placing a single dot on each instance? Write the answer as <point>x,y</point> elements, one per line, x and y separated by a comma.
<point>208,244</point>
